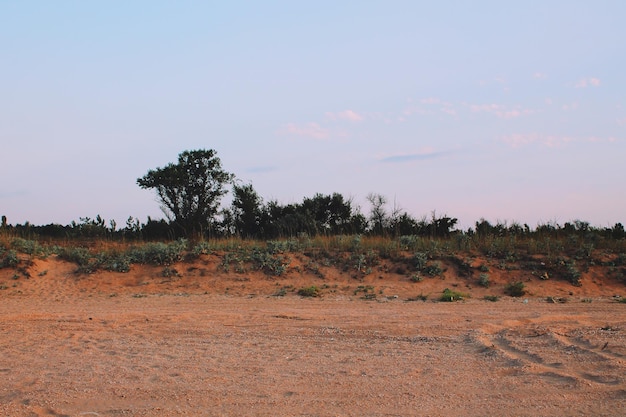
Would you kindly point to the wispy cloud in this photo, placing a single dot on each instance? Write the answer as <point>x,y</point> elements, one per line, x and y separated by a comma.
<point>429,105</point>
<point>587,82</point>
<point>310,130</point>
<point>550,141</point>
<point>500,111</point>
<point>349,115</point>
<point>418,156</point>
<point>540,76</point>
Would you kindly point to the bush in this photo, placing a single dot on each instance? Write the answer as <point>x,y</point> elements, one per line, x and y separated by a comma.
<point>10,260</point>
<point>449,296</point>
<point>159,253</point>
<point>572,274</point>
<point>29,247</point>
<point>492,298</point>
<point>311,291</point>
<point>79,256</point>
<point>483,280</point>
<point>419,260</point>
<point>433,269</point>
<point>515,289</point>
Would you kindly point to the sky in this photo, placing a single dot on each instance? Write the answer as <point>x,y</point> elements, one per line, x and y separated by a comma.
<point>507,111</point>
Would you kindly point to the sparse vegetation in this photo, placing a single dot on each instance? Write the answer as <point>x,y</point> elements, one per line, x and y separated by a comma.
<point>483,280</point>
<point>312,291</point>
<point>515,289</point>
<point>449,296</point>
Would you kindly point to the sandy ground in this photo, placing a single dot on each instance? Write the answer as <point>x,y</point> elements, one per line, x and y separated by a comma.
<point>116,344</point>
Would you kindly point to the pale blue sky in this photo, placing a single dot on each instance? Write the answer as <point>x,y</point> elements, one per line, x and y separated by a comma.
<point>495,109</point>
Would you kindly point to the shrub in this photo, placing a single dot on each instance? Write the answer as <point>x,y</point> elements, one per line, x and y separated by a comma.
<point>419,260</point>
<point>515,289</point>
<point>159,253</point>
<point>492,298</point>
<point>483,280</point>
<point>433,269</point>
<point>10,259</point>
<point>29,247</point>
<point>114,261</point>
<point>311,291</point>
<point>572,274</point>
<point>416,278</point>
<point>449,296</point>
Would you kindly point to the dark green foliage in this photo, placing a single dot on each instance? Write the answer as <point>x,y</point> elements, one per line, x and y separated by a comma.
<point>515,289</point>
<point>190,191</point>
<point>246,211</point>
<point>492,298</point>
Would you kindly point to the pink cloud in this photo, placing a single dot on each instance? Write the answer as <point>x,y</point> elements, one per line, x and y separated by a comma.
<point>586,82</point>
<point>309,130</point>
<point>540,75</point>
<point>500,111</point>
<point>349,115</point>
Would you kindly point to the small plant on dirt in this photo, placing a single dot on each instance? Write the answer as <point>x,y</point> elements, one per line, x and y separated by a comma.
<point>416,278</point>
<point>433,269</point>
<point>282,291</point>
<point>311,291</point>
<point>159,253</point>
<point>10,260</point>
<point>29,247</point>
<point>483,268</point>
<point>448,295</point>
<point>169,272</point>
<point>572,274</point>
<point>419,260</point>
<point>201,248</point>
<point>492,298</point>
<point>365,289</point>
<point>515,289</point>
<point>483,280</point>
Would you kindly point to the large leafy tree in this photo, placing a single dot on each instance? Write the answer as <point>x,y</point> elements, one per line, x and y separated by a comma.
<point>246,210</point>
<point>190,191</point>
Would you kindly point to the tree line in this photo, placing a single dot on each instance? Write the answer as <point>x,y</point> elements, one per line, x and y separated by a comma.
<point>191,191</point>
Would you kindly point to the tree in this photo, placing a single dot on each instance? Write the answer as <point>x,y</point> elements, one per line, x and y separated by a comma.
<point>246,210</point>
<point>378,213</point>
<point>190,191</point>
